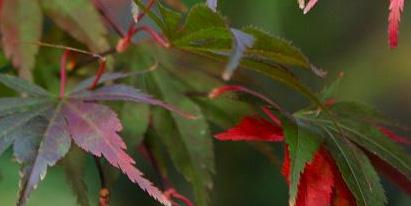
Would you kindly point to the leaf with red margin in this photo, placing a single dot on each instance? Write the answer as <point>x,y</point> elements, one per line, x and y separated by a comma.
<point>94,128</point>
<point>253,129</point>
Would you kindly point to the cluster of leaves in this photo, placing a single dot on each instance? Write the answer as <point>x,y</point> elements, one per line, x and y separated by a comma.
<point>331,155</point>
<point>40,126</point>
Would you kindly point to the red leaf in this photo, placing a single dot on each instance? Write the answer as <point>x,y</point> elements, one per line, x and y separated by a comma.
<point>317,182</point>
<point>396,7</point>
<point>253,129</point>
<point>342,195</point>
<point>94,128</point>
<point>395,137</point>
<point>391,173</point>
<point>286,168</point>
<point>310,5</point>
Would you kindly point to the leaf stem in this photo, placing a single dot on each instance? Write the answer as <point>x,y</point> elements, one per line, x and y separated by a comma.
<point>100,71</point>
<point>165,182</point>
<point>100,172</point>
<point>104,193</point>
<point>63,76</point>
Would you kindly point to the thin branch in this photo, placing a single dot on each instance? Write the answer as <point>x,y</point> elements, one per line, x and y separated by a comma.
<point>165,182</point>
<point>100,172</point>
<point>100,71</point>
<point>149,6</point>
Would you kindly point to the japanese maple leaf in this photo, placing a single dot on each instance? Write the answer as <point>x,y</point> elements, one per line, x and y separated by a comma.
<point>40,128</point>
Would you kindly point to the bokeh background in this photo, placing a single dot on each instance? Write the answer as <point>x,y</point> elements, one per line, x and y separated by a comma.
<point>337,35</point>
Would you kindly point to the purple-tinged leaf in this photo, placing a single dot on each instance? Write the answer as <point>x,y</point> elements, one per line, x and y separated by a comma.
<point>118,13</point>
<point>23,86</point>
<point>85,84</point>
<point>20,25</point>
<point>14,105</point>
<point>42,147</point>
<point>242,42</point>
<point>212,4</point>
<point>80,19</point>
<point>94,128</point>
<point>11,126</point>
<point>119,92</point>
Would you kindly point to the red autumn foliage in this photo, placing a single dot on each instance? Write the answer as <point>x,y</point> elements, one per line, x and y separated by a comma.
<point>320,184</point>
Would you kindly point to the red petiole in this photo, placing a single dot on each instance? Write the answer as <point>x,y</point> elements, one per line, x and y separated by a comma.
<point>63,76</point>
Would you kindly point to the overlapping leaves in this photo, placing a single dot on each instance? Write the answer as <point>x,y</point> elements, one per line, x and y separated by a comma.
<point>40,127</point>
<point>333,148</point>
<point>205,32</point>
<point>21,26</point>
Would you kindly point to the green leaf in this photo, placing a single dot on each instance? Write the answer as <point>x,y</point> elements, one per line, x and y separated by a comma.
<point>73,164</point>
<point>302,144</point>
<point>275,49</point>
<point>136,117</point>
<point>188,141</point>
<point>200,17</point>
<point>357,111</point>
<point>371,139</point>
<point>203,29</point>
<point>80,19</point>
<point>171,19</point>
<point>22,86</point>
<point>330,92</point>
<point>21,27</point>
<point>215,38</point>
<point>357,171</point>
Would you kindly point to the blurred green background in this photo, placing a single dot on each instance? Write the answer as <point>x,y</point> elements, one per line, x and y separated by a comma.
<point>337,35</point>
